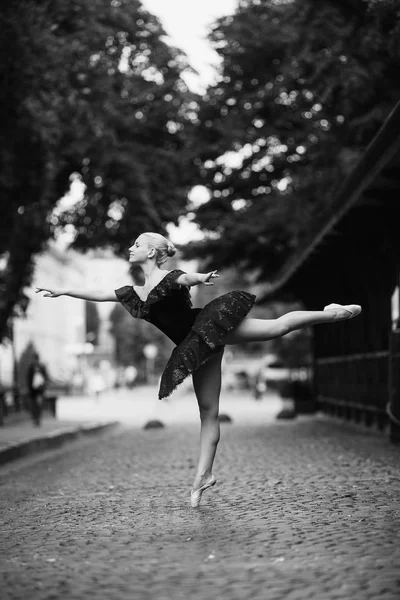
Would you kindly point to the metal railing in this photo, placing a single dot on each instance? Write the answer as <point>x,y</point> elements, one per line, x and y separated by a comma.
<point>364,388</point>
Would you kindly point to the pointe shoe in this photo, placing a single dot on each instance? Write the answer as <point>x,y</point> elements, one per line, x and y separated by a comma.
<point>353,309</point>
<point>195,495</point>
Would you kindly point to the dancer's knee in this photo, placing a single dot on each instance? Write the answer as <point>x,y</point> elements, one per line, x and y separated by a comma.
<point>208,413</point>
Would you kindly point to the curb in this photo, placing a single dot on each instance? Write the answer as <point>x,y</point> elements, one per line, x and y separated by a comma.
<point>55,439</point>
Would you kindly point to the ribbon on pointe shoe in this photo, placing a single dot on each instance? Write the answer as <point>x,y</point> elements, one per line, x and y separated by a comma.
<point>195,495</point>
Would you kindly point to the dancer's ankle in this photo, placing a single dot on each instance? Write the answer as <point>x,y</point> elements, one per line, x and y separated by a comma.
<point>201,479</point>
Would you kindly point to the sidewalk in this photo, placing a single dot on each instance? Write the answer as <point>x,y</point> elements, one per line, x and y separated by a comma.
<point>20,437</point>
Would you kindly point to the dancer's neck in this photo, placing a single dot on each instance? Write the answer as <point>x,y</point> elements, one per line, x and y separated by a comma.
<point>151,272</point>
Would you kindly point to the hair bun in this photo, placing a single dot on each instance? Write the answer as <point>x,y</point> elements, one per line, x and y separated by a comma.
<point>171,249</point>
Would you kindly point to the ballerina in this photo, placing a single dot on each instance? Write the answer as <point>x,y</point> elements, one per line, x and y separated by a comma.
<point>200,334</point>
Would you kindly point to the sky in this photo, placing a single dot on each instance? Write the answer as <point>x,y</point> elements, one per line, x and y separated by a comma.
<point>187,23</point>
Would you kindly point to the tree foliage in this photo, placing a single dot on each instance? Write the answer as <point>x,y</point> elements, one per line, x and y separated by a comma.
<point>303,87</point>
<point>91,88</point>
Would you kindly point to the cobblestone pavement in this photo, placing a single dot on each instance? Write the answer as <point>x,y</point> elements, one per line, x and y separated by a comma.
<point>301,510</point>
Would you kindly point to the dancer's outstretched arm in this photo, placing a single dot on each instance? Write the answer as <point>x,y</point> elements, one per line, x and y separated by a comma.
<point>93,295</point>
<point>197,278</point>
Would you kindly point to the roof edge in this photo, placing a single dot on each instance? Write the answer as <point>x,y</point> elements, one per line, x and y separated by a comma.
<point>377,155</point>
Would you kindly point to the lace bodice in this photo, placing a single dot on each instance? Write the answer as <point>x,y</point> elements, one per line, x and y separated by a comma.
<point>168,306</point>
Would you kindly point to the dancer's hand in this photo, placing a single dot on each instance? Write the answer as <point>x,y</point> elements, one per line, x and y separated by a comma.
<point>208,276</point>
<point>53,293</point>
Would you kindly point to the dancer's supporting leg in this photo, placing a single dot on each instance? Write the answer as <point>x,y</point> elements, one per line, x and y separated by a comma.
<point>207,386</point>
<point>259,330</point>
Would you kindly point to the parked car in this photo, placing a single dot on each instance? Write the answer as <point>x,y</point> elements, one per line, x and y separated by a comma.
<point>237,379</point>
<point>273,375</point>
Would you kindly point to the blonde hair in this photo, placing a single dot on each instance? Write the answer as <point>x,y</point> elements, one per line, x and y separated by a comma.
<point>163,247</point>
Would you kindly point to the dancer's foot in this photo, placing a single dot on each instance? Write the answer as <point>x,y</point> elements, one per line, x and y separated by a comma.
<point>347,311</point>
<point>195,495</point>
<point>200,480</point>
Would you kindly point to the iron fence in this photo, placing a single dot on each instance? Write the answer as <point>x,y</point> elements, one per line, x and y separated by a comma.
<point>364,388</point>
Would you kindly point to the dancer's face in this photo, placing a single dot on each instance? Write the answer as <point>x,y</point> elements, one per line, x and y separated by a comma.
<point>140,250</point>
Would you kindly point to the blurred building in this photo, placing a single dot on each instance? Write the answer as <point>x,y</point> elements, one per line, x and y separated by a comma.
<point>55,328</point>
<point>104,271</point>
<point>353,255</point>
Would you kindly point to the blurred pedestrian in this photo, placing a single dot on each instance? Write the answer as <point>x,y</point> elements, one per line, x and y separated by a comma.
<point>97,384</point>
<point>130,375</point>
<point>37,383</point>
<point>78,382</point>
<point>200,335</point>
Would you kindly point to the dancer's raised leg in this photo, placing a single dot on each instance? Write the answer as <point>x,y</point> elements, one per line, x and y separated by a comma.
<point>259,330</point>
<point>207,386</point>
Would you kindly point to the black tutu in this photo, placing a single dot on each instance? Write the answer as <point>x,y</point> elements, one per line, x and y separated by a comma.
<point>198,333</point>
<point>205,338</point>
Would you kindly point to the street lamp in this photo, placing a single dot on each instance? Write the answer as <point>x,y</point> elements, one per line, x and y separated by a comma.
<point>81,351</point>
<point>150,351</point>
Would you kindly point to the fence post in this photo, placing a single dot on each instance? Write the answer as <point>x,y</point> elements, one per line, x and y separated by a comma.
<point>393,407</point>
<point>1,407</point>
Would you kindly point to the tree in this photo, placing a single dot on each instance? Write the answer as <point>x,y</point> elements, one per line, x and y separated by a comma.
<point>304,85</point>
<point>88,88</point>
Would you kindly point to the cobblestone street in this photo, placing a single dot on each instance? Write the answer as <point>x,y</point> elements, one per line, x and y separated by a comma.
<point>302,509</point>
